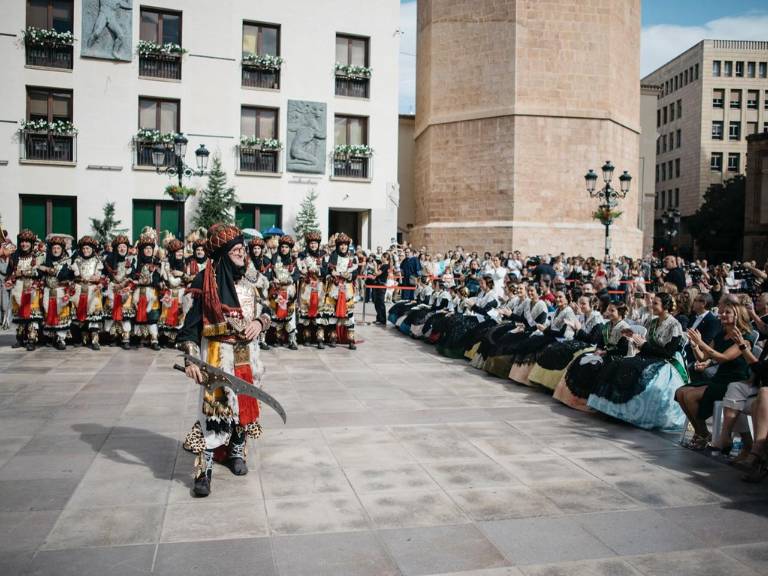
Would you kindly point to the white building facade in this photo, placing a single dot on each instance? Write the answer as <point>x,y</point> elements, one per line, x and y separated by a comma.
<point>56,182</point>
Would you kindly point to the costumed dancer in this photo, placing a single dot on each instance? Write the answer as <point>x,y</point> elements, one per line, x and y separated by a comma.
<point>174,281</point>
<point>89,311</point>
<point>262,264</point>
<point>56,275</point>
<point>25,290</point>
<point>221,328</point>
<point>119,307</point>
<point>147,281</point>
<point>340,292</point>
<point>282,292</point>
<point>311,264</point>
<point>195,263</point>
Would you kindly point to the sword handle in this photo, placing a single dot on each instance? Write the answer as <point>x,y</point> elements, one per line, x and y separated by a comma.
<point>180,368</point>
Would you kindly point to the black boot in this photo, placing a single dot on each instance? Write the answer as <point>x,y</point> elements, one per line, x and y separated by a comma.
<point>61,345</point>
<point>352,345</point>
<point>264,346</point>
<point>126,345</point>
<point>155,346</point>
<point>203,474</point>
<point>202,486</point>
<point>320,345</point>
<point>237,453</point>
<point>30,346</point>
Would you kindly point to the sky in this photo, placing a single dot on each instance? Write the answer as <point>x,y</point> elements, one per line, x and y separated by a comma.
<point>669,27</point>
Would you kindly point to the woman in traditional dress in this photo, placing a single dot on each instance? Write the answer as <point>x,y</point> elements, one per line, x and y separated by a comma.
<point>282,293</point>
<point>174,280</point>
<point>119,307</point>
<point>87,299</point>
<point>147,283</point>
<point>698,398</point>
<point>465,329</point>
<point>579,379</point>
<point>56,275</point>
<point>24,283</point>
<point>418,314</point>
<point>641,389</point>
<point>553,360</point>
<point>340,293</point>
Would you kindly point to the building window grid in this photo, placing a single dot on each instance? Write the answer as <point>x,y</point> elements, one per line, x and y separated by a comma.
<point>663,198</point>
<point>716,162</point>
<point>717,130</point>
<point>679,109</point>
<point>752,99</point>
<point>664,143</point>
<point>762,69</point>
<point>734,130</point>
<point>669,169</point>
<point>671,141</point>
<point>728,69</point>
<point>677,197</point>
<point>750,69</point>
<point>679,134</point>
<point>677,167</point>
<point>716,68</point>
<point>672,113</point>
<point>735,101</point>
<point>739,70</point>
<point>663,171</point>
<point>733,161</point>
<point>718,96</point>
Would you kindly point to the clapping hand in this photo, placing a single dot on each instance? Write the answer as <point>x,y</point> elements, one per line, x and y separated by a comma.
<point>694,336</point>
<point>638,340</point>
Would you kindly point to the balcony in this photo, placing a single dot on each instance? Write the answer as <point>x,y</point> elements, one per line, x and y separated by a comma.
<point>353,167</point>
<point>47,147</point>
<point>352,87</point>
<point>143,154</point>
<point>256,160</point>
<point>255,77</point>
<point>163,66</point>
<point>49,56</point>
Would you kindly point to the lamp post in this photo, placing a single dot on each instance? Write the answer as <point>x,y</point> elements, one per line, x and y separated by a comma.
<point>670,220</point>
<point>609,198</point>
<point>177,167</point>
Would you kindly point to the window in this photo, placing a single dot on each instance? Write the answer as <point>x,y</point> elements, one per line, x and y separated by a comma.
<point>716,162</point>
<point>671,141</point>
<point>163,215</point>
<point>762,68</point>
<point>677,197</point>
<point>750,69</point>
<point>657,172</point>
<point>752,98</point>
<point>351,130</point>
<point>765,126</point>
<point>663,171</point>
<point>677,167</point>
<point>685,77</point>
<point>352,51</point>
<point>258,123</point>
<point>671,112</point>
<point>751,128</point>
<point>48,104</point>
<point>658,145</point>
<point>765,100</point>
<point>679,134</point>
<point>656,200</point>
<point>664,110</point>
<point>733,161</point>
<point>716,68</point>
<point>663,198</point>
<point>658,118</point>
<point>739,69</point>
<point>259,216</point>
<point>664,143</point>
<point>734,130</point>
<point>676,85</point>
<point>48,214</point>
<point>735,98</point>
<point>718,95</point>
<point>679,109</point>
<point>696,68</point>
<point>717,130</point>
<point>261,39</point>
<point>50,14</point>
<point>728,69</point>
<point>669,169</point>
<point>156,114</point>
<point>160,27</point>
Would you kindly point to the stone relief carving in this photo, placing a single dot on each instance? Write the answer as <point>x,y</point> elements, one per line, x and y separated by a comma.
<point>306,137</point>
<point>107,29</point>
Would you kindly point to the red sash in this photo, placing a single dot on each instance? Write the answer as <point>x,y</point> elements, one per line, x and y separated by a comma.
<point>52,318</point>
<point>172,318</point>
<point>282,305</point>
<point>82,306</point>
<point>341,301</point>
<point>248,405</point>
<point>25,310</point>
<point>117,308</point>
<point>314,300</point>
<point>141,309</point>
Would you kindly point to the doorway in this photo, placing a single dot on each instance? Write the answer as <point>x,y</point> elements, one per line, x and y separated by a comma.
<point>354,223</point>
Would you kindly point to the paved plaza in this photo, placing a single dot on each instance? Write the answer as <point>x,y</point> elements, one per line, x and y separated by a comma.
<point>394,461</point>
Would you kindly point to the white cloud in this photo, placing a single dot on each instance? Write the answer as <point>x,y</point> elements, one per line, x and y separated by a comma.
<point>662,42</point>
<point>407,57</point>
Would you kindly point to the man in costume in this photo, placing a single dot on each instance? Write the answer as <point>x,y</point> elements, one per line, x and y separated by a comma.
<point>282,292</point>
<point>174,281</point>
<point>25,293</point>
<point>56,275</point>
<point>147,282</point>
<point>221,328</point>
<point>259,269</point>
<point>340,292</point>
<point>311,265</point>
<point>118,304</point>
<point>89,311</point>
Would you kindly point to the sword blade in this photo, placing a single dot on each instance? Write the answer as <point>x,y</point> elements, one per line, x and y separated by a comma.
<point>240,386</point>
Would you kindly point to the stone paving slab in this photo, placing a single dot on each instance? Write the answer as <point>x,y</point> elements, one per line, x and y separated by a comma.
<point>394,461</point>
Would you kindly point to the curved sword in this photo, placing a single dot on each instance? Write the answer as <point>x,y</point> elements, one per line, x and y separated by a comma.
<point>215,377</point>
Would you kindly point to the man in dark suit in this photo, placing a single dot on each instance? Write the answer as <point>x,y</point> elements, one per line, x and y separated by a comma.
<point>704,321</point>
<point>410,270</point>
<point>673,273</point>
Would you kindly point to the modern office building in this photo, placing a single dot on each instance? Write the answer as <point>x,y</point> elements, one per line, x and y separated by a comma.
<point>234,76</point>
<point>713,96</point>
<point>756,199</point>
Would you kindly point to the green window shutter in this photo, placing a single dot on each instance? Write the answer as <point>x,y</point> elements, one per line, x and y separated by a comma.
<point>244,216</point>
<point>169,218</point>
<point>63,216</point>
<point>269,216</point>
<point>33,215</point>
<point>143,215</point>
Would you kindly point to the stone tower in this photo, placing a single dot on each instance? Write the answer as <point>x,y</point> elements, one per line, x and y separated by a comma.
<point>515,100</point>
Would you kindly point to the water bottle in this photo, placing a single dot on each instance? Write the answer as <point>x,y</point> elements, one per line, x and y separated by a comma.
<point>736,446</point>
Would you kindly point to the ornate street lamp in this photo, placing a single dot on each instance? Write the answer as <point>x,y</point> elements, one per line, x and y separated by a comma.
<point>670,220</point>
<point>177,167</point>
<point>609,198</point>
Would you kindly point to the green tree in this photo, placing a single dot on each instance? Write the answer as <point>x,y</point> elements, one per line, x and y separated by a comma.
<point>106,228</point>
<point>218,201</point>
<point>306,219</point>
<point>718,225</point>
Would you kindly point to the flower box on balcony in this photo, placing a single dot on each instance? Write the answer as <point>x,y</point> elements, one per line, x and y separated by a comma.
<point>46,37</point>
<point>48,142</point>
<point>262,61</point>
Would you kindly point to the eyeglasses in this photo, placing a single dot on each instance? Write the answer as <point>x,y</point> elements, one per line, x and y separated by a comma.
<point>237,250</point>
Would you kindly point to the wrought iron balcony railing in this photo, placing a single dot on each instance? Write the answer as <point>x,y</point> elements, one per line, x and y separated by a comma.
<point>352,87</point>
<point>48,147</point>
<point>165,66</point>
<point>254,77</point>
<point>257,160</point>
<point>142,154</point>
<point>49,56</point>
<point>352,167</point>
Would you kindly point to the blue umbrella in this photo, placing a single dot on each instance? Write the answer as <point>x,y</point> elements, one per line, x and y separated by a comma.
<point>273,231</point>
<point>250,233</point>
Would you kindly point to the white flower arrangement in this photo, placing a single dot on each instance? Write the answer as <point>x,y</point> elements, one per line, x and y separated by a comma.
<point>57,127</point>
<point>149,48</point>
<point>262,61</point>
<point>350,71</point>
<point>352,150</point>
<point>155,136</point>
<point>260,143</point>
<point>46,37</point>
